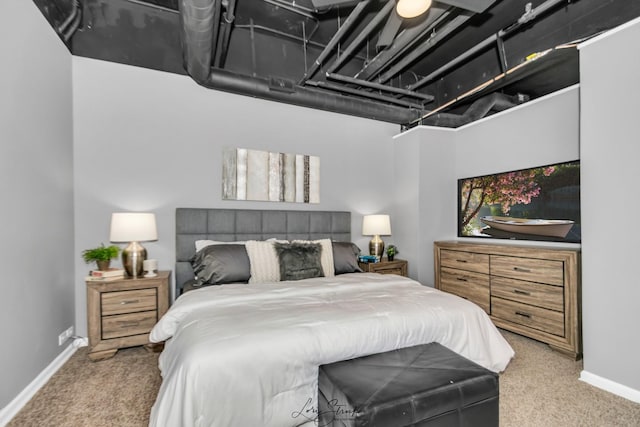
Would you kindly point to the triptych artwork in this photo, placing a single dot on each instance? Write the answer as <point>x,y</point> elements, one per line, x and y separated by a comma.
<point>269,176</point>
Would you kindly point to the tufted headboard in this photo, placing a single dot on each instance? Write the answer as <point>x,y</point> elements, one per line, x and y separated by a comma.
<point>230,225</point>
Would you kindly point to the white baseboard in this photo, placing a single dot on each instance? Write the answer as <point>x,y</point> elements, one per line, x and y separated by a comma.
<point>10,411</point>
<point>610,386</point>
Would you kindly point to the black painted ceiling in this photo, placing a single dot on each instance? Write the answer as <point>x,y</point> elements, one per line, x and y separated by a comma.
<point>446,67</point>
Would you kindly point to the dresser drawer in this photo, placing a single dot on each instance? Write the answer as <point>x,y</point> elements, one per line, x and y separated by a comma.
<point>545,296</point>
<point>548,321</point>
<point>466,284</point>
<point>469,261</point>
<point>128,301</point>
<point>531,269</point>
<point>124,325</point>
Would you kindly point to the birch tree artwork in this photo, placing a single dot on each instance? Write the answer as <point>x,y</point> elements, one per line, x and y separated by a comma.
<point>269,176</point>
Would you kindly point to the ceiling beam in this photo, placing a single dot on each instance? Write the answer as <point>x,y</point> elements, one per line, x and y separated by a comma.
<point>404,41</point>
<point>349,51</point>
<point>337,37</point>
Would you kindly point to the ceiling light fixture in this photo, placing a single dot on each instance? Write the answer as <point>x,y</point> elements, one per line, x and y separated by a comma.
<point>412,8</point>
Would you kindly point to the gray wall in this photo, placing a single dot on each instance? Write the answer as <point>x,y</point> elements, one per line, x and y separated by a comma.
<point>609,104</point>
<point>140,148</point>
<point>424,158</point>
<point>430,160</point>
<point>36,256</point>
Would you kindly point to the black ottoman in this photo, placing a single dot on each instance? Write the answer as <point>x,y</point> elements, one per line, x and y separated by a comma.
<point>425,385</point>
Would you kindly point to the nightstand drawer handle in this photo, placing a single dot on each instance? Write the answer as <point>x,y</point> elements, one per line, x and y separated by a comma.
<point>519,313</point>
<point>518,291</point>
<point>125,323</point>
<point>131,301</point>
<point>461,260</point>
<point>524,270</point>
<point>462,279</point>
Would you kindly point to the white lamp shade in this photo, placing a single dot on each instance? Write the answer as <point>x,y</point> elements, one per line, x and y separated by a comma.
<point>133,227</point>
<point>412,8</point>
<point>376,225</point>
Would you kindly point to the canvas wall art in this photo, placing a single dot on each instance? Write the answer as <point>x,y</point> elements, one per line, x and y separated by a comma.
<point>268,176</point>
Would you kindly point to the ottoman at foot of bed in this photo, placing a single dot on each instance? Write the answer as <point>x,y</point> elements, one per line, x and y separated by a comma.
<point>425,385</point>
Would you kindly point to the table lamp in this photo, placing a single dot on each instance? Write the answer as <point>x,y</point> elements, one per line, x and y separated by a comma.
<point>376,225</point>
<point>133,227</point>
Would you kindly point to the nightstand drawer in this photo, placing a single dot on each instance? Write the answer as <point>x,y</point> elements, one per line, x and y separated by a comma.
<point>393,270</point>
<point>124,325</point>
<point>469,261</point>
<point>545,296</point>
<point>397,266</point>
<point>534,317</point>
<point>531,269</point>
<point>128,301</point>
<point>466,284</point>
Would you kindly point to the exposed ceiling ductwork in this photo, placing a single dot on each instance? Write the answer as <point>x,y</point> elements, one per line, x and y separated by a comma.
<point>351,57</point>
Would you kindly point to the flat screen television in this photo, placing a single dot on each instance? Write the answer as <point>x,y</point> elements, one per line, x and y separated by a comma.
<point>539,203</point>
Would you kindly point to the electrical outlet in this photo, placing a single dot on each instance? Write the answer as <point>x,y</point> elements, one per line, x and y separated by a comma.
<point>63,337</point>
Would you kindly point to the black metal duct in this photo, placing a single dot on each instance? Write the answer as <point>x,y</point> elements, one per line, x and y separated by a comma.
<point>477,110</point>
<point>199,27</point>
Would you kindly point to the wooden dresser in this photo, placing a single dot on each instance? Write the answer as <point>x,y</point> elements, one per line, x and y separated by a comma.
<point>121,313</point>
<point>530,290</point>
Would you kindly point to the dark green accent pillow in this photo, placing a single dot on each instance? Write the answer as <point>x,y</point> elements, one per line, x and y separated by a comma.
<point>345,257</point>
<point>220,264</point>
<point>299,260</point>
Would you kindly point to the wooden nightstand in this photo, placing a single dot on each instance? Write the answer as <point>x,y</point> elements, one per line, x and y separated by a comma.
<point>121,313</point>
<point>397,266</point>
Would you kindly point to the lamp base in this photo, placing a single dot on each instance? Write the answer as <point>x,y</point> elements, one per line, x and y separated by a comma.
<point>376,246</point>
<point>132,258</point>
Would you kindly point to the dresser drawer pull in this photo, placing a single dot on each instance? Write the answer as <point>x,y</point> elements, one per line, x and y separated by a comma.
<point>126,323</point>
<point>462,279</point>
<point>461,260</point>
<point>519,292</point>
<point>131,301</point>
<point>519,313</point>
<point>523,270</point>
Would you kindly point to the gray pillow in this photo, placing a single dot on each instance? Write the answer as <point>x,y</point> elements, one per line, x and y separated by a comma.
<point>345,257</point>
<point>220,264</point>
<point>299,260</point>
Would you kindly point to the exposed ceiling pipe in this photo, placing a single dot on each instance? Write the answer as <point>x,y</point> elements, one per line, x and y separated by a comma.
<point>346,54</point>
<point>529,16</point>
<point>229,18</point>
<point>429,44</point>
<point>309,97</point>
<point>72,23</point>
<point>363,93</point>
<point>348,24</point>
<point>296,6</point>
<point>281,34</point>
<point>291,8</point>
<point>199,29</point>
<point>404,41</point>
<point>196,19</point>
<point>477,110</point>
<point>385,88</point>
<point>75,7</point>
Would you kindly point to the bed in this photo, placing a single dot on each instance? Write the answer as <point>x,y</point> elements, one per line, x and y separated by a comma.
<point>248,354</point>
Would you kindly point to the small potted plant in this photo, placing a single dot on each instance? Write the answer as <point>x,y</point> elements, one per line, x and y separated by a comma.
<point>102,255</point>
<point>392,250</point>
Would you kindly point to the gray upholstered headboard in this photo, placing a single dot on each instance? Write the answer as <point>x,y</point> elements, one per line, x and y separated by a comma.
<point>230,225</point>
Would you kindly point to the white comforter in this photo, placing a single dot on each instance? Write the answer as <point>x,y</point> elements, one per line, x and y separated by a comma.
<point>248,355</point>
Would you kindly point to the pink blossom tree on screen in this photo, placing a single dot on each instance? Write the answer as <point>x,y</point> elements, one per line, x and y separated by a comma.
<point>506,189</point>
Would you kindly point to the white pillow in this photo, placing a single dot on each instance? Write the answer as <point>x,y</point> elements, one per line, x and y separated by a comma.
<point>326,258</point>
<point>263,258</point>
<point>204,243</point>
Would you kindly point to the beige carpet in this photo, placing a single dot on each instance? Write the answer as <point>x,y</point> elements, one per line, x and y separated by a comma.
<point>539,388</point>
